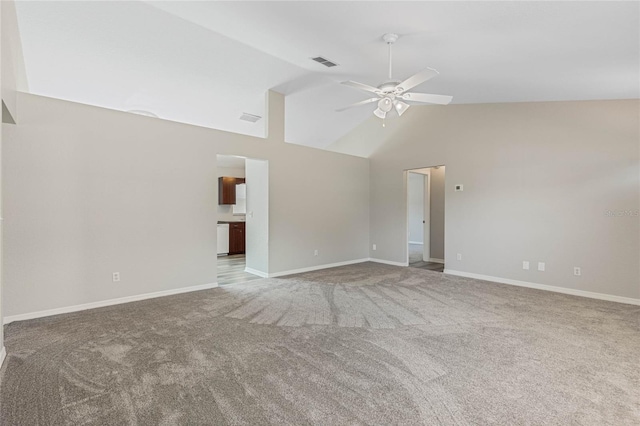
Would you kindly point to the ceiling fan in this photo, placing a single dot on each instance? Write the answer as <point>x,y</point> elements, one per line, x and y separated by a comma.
<point>393,94</point>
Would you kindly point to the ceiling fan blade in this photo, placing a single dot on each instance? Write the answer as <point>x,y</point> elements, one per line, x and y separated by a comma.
<point>425,97</point>
<point>361,86</point>
<point>367,101</point>
<point>416,79</point>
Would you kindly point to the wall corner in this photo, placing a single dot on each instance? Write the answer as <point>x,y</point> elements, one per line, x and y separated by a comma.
<point>274,112</point>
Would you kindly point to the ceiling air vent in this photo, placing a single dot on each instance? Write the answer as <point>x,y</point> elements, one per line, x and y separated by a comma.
<point>325,62</point>
<point>249,117</point>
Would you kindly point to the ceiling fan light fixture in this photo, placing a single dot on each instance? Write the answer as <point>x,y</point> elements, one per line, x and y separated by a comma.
<point>401,107</point>
<point>380,113</point>
<point>385,104</point>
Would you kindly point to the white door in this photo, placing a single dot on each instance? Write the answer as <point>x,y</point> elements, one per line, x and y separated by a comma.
<point>257,227</point>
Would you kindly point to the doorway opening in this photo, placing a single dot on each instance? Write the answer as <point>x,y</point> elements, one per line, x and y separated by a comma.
<point>243,219</point>
<point>425,218</point>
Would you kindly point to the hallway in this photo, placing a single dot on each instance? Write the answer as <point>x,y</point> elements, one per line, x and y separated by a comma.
<point>415,259</point>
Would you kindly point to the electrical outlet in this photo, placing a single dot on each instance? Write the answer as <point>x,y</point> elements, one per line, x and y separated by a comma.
<point>525,265</point>
<point>374,247</point>
<point>459,256</point>
<point>541,266</point>
<point>116,277</point>
<point>315,252</point>
<point>577,271</point>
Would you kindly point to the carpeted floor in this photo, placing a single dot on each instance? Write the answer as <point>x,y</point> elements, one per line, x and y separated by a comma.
<point>361,344</point>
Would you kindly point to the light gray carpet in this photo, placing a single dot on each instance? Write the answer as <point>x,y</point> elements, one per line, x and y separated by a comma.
<point>362,344</point>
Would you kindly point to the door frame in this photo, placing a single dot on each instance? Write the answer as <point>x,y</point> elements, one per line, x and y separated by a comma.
<point>257,220</point>
<point>426,231</point>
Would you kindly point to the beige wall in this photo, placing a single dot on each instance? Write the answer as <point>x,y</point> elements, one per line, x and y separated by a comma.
<point>90,191</point>
<point>436,234</point>
<point>538,181</point>
<point>10,70</point>
<point>415,200</point>
<point>2,82</point>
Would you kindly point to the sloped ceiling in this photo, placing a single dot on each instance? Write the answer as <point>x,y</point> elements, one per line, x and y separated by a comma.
<point>205,63</point>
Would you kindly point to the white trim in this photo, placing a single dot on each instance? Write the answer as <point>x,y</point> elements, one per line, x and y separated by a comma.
<point>571,291</point>
<point>317,267</point>
<point>109,302</point>
<point>389,262</point>
<point>3,354</point>
<point>256,272</point>
<point>416,242</point>
<point>434,260</point>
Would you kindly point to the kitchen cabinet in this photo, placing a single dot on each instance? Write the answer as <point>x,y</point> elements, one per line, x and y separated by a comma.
<point>227,189</point>
<point>236,238</point>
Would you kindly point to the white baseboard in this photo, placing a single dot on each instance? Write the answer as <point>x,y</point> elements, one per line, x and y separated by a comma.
<point>317,267</point>
<point>3,355</point>
<point>416,242</point>
<point>435,260</point>
<point>103,303</point>
<point>389,262</point>
<point>256,272</point>
<point>573,292</point>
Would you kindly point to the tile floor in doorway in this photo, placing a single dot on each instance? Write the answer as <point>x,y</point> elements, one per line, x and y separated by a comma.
<point>231,270</point>
<point>415,259</point>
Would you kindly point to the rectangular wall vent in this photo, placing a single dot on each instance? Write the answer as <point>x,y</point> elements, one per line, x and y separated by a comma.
<point>249,117</point>
<point>324,61</point>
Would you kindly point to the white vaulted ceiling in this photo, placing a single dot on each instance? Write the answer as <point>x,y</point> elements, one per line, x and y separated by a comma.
<point>205,63</point>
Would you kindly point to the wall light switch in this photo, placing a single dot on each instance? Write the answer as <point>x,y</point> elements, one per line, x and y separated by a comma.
<point>525,264</point>
<point>541,266</point>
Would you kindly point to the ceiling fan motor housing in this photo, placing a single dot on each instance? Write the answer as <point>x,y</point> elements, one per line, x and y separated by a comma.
<point>389,86</point>
<point>390,38</point>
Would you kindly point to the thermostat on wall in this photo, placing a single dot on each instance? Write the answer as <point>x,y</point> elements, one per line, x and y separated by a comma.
<point>459,188</point>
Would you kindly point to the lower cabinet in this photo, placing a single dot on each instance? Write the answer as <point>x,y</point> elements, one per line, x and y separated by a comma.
<point>236,238</point>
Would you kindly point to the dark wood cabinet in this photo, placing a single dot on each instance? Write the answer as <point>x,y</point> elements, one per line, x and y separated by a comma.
<point>227,189</point>
<point>236,238</point>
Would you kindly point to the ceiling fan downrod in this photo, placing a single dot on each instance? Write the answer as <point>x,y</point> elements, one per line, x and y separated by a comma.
<point>390,38</point>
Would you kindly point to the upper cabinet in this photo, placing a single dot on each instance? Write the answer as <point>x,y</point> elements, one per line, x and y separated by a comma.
<point>227,189</point>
